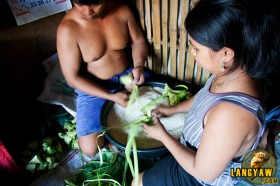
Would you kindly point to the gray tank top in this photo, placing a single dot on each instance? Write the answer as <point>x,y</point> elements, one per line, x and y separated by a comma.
<point>193,128</point>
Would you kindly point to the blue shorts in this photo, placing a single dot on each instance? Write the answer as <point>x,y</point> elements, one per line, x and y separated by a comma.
<point>88,117</point>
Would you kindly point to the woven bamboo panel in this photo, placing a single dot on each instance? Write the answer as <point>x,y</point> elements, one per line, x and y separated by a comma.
<point>163,24</point>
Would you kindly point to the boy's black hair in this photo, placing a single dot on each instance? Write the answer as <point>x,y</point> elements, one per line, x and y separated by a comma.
<point>87,2</point>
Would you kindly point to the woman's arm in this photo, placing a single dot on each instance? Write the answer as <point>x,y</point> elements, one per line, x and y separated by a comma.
<point>224,134</point>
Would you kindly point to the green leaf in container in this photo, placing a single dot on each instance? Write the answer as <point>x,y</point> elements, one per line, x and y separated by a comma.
<point>131,145</point>
<point>174,97</point>
<point>137,123</point>
<point>134,95</point>
<point>126,79</point>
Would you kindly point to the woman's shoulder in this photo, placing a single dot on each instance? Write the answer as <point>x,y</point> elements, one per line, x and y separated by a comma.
<point>226,113</point>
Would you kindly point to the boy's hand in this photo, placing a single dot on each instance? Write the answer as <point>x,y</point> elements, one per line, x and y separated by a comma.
<point>138,75</point>
<point>121,98</point>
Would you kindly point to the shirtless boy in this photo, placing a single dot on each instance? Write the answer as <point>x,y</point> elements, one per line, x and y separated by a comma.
<point>91,43</point>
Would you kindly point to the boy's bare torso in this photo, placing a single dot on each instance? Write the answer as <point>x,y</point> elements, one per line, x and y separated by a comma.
<point>102,42</point>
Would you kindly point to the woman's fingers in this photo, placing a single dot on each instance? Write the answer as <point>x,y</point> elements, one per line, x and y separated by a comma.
<point>155,113</point>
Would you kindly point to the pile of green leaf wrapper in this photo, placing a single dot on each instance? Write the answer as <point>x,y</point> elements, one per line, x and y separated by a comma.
<point>45,154</point>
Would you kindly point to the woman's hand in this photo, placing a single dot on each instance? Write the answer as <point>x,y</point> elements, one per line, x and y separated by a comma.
<point>156,130</point>
<point>163,111</point>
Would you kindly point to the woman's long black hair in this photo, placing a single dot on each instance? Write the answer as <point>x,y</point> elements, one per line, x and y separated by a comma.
<point>251,28</point>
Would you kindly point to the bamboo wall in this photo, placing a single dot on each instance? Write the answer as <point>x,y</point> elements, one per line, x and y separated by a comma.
<point>163,24</point>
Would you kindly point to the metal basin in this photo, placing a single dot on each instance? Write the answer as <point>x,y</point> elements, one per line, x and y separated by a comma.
<point>143,153</point>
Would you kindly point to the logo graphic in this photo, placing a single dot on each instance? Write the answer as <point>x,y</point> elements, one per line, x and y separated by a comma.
<point>258,167</point>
